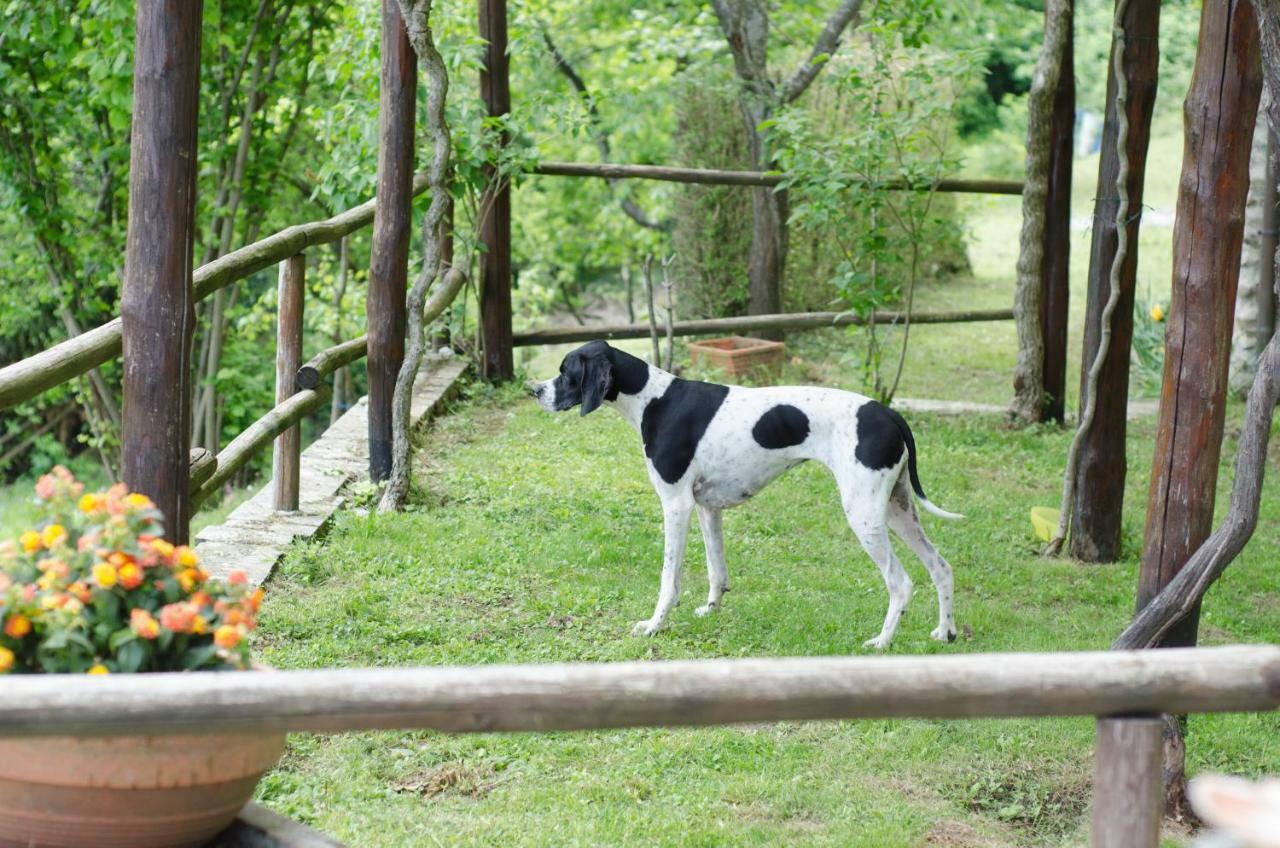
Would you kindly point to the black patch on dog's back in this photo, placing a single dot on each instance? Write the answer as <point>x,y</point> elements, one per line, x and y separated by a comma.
<point>783,426</point>
<point>673,424</point>
<point>880,442</point>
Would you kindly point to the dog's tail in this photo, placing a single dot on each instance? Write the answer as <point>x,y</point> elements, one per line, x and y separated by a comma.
<point>915,475</point>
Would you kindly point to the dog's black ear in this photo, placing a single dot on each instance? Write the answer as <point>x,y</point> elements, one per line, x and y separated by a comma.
<point>597,379</point>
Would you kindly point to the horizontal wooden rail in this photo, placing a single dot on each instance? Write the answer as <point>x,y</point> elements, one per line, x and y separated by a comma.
<point>259,435</point>
<point>749,323</point>
<point>80,354</point>
<point>632,694</point>
<point>707,176</point>
<point>203,464</point>
<point>324,363</point>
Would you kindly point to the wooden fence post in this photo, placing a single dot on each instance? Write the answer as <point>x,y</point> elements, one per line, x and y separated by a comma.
<point>286,460</point>
<point>392,223</point>
<point>1100,472</point>
<point>1220,108</point>
<point>157,305</point>
<point>495,221</point>
<point>1054,270</point>
<point>1128,796</point>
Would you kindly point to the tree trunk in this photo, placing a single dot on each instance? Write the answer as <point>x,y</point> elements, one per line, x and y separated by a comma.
<point>1100,471</point>
<point>1028,376</point>
<point>495,224</point>
<point>1055,270</point>
<point>1219,113</point>
<point>1254,317</point>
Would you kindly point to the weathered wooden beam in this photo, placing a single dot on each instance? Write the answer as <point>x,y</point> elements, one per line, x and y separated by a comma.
<point>331,359</point>
<point>745,324</point>
<point>1055,267</point>
<point>1220,110</point>
<point>203,464</point>
<point>259,434</point>
<point>1128,797</point>
<point>385,314</point>
<point>68,359</point>
<point>587,696</point>
<point>708,176</point>
<point>157,306</point>
<point>1098,498</point>
<point>286,462</point>
<point>495,220</point>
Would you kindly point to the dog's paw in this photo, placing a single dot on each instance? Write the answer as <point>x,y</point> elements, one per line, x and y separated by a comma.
<point>879,643</point>
<point>648,627</point>
<point>706,609</point>
<point>943,634</point>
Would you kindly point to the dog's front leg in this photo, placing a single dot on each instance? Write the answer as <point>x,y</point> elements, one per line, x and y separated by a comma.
<point>676,513</point>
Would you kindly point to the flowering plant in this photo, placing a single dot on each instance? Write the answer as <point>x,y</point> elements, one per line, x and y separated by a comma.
<point>96,589</point>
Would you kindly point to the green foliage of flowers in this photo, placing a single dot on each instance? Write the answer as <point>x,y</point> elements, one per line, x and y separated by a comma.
<point>96,589</point>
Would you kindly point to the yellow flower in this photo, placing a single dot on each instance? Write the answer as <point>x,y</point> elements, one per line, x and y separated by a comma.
<point>89,502</point>
<point>199,625</point>
<point>130,575</point>
<point>104,574</point>
<point>162,547</point>
<point>47,580</point>
<point>226,636</point>
<point>141,622</point>
<point>54,535</point>
<point>30,541</point>
<point>6,660</point>
<point>98,668</point>
<point>187,557</point>
<point>187,579</point>
<point>1157,314</point>
<point>138,501</point>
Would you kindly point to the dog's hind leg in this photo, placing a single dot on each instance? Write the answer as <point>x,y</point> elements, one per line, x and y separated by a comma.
<point>905,521</point>
<point>717,568</point>
<point>676,513</point>
<point>864,497</point>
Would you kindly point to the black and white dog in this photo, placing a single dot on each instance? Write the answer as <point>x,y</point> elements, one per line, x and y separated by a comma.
<point>710,447</point>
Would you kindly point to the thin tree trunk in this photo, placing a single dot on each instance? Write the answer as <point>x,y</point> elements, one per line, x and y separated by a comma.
<point>1028,375</point>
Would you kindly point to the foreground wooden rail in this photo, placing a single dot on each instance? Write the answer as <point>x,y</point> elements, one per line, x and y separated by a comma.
<point>706,176</point>
<point>750,323</point>
<point>633,694</point>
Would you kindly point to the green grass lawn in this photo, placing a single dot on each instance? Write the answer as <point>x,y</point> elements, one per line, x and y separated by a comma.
<point>537,538</point>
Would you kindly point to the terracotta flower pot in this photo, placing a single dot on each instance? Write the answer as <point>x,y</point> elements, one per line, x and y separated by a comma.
<point>135,791</point>
<point>739,355</point>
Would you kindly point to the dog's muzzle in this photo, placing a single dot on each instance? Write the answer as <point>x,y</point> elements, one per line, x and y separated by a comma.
<point>544,393</point>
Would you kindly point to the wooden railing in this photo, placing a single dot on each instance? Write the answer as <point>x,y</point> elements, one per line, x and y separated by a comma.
<point>1126,690</point>
<point>299,391</point>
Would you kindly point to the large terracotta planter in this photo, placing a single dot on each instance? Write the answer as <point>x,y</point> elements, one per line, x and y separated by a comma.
<point>131,791</point>
<point>739,355</point>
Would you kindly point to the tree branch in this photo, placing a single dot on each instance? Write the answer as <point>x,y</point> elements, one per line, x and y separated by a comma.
<point>849,12</point>
<point>600,135</point>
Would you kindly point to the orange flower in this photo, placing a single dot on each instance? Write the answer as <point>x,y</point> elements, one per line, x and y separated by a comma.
<point>98,668</point>
<point>226,636</point>
<point>238,578</point>
<point>142,623</point>
<point>178,617</point>
<point>187,579</point>
<point>199,625</point>
<point>118,558</point>
<point>104,574</point>
<point>17,626</point>
<point>187,557</point>
<point>232,616</point>
<point>6,660</point>
<point>161,547</point>
<point>81,591</point>
<point>130,575</point>
<point>5,581</point>
<point>200,599</point>
<point>30,541</point>
<point>254,601</point>
<point>91,503</point>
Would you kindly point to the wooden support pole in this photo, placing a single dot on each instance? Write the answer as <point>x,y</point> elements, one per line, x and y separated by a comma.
<point>1270,236</point>
<point>1220,110</point>
<point>1100,473</point>
<point>1054,269</point>
<point>495,221</point>
<point>286,462</point>
<point>158,304</point>
<point>1128,798</point>
<point>392,224</point>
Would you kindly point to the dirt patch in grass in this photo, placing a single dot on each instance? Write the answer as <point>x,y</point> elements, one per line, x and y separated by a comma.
<point>1041,805</point>
<point>460,779</point>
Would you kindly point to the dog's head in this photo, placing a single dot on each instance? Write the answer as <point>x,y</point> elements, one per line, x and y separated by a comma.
<point>586,378</point>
